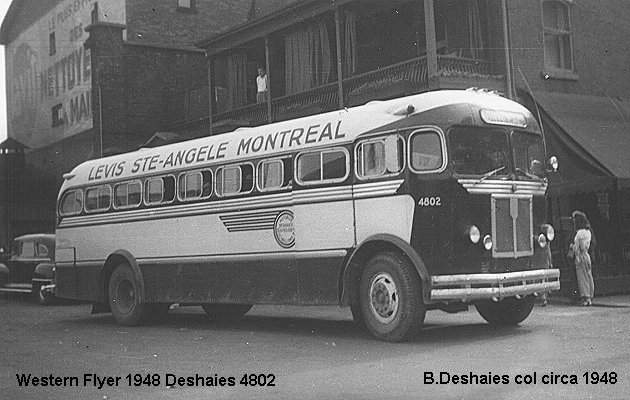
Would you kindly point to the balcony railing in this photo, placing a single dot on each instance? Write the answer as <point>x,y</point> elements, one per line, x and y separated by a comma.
<point>396,80</point>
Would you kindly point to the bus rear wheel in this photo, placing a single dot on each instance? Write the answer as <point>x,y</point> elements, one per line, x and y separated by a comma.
<point>123,298</point>
<point>226,311</point>
<point>391,298</point>
<point>507,312</point>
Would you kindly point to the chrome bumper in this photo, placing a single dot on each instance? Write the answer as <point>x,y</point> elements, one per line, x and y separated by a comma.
<point>468,287</point>
<point>48,289</point>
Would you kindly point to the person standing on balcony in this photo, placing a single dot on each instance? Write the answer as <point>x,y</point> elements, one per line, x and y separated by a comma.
<point>261,84</point>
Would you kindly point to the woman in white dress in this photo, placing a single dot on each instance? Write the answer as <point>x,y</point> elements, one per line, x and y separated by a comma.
<point>583,267</point>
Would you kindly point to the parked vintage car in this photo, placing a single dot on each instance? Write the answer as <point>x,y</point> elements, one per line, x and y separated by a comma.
<point>29,268</point>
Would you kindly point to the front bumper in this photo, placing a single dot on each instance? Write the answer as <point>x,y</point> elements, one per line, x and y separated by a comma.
<point>469,287</point>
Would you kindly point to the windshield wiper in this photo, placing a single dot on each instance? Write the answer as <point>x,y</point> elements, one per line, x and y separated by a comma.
<point>490,173</point>
<point>527,174</point>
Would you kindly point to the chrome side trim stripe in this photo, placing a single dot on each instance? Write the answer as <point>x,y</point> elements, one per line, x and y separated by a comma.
<point>495,186</point>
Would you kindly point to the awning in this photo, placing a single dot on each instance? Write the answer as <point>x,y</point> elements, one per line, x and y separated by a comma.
<point>591,137</point>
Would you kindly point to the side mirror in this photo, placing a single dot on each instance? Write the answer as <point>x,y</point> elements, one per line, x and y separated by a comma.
<point>553,163</point>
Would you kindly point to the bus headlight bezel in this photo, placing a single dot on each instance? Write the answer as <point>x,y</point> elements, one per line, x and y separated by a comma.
<point>542,240</point>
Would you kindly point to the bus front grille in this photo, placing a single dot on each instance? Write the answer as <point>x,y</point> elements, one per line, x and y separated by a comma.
<point>512,226</point>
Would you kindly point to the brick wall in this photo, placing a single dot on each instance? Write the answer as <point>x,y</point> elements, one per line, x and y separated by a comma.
<point>162,21</point>
<point>601,32</point>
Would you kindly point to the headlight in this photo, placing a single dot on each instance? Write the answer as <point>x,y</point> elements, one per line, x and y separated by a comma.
<point>549,232</point>
<point>487,242</point>
<point>473,234</point>
<point>542,241</point>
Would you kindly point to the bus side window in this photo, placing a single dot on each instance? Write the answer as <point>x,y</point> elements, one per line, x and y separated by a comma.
<point>71,203</point>
<point>274,174</point>
<point>379,157</point>
<point>159,190</point>
<point>426,151</point>
<point>234,179</point>
<point>195,185</point>
<point>316,167</point>
<point>127,195</point>
<point>98,198</point>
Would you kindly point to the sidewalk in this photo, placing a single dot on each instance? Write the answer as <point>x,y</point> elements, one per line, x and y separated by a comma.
<point>620,300</point>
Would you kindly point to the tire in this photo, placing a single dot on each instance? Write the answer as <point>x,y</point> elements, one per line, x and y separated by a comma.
<point>123,298</point>
<point>507,312</point>
<point>390,295</point>
<point>226,311</point>
<point>43,299</point>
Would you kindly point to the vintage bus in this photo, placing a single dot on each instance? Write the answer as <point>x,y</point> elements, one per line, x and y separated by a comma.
<point>393,208</point>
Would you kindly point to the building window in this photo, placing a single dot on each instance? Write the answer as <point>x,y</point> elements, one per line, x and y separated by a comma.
<point>57,115</point>
<point>557,35</point>
<point>51,44</point>
<point>186,5</point>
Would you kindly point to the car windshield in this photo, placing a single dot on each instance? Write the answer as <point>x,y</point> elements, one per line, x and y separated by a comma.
<point>529,153</point>
<point>477,151</point>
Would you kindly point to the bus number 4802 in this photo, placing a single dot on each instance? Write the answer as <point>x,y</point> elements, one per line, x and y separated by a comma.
<point>430,201</point>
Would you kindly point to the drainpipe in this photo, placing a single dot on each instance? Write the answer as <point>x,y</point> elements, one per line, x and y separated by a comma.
<point>507,50</point>
<point>339,64</point>
<point>210,94</point>
<point>269,116</point>
<point>429,28</point>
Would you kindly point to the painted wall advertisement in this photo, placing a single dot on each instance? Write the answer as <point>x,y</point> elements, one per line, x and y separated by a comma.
<point>49,90</point>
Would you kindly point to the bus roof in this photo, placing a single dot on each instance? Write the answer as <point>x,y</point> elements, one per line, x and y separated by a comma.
<point>332,128</point>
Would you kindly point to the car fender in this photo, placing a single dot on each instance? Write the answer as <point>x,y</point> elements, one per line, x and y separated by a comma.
<point>4,274</point>
<point>45,270</point>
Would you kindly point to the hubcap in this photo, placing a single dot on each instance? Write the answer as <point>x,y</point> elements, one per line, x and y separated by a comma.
<point>125,296</point>
<point>383,297</point>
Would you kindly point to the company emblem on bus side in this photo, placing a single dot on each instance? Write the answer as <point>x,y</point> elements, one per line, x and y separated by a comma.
<point>283,229</point>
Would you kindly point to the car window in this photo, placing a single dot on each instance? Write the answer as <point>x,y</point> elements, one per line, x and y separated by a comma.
<point>42,250</point>
<point>27,250</point>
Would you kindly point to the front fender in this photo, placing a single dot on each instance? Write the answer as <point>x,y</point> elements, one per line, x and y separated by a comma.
<point>45,270</point>
<point>371,246</point>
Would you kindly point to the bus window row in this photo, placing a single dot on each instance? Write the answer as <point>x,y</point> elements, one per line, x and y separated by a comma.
<point>378,157</point>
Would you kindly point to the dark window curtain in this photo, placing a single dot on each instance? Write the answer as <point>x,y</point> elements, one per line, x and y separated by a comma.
<point>350,43</point>
<point>307,58</point>
<point>474,30</point>
<point>237,79</point>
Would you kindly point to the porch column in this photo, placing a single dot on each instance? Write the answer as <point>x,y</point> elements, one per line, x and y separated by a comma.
<point>431,45</point>
<point>507,50</point>
<point>269,116</point>
<point>210,94</point>
<point>339,64</point>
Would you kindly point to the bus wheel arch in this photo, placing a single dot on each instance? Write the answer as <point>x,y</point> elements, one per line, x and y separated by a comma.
<point>351,276</point>
<point>114,260</point>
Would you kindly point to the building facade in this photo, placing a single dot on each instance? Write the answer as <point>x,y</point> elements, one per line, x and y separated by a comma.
<point>85,78</point>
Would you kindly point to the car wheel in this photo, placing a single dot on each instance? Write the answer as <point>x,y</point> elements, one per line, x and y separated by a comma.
<point>226,311</point>
<point>509,311</point>
<point>391,298</point>
<point>123,298</point>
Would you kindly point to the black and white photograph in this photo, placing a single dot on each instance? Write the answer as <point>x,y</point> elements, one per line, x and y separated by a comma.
<point>314,199</point>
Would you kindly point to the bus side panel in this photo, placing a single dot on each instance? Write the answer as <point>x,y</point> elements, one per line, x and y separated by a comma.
<point>65,273</point>
<point>384,215</point>
<point>318,280</point>
<point>252,281</point>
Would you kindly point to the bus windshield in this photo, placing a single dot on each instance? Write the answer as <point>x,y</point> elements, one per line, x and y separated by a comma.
<point>476,151</point>
<point>528,154</point>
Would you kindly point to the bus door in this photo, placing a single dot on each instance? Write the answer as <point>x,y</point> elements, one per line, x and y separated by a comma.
<point>324,221</point>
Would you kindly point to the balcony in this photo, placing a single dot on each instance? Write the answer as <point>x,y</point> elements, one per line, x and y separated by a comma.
<point>188,109</point>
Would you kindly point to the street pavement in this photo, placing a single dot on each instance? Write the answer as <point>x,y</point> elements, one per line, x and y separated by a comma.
<point>314,353</point>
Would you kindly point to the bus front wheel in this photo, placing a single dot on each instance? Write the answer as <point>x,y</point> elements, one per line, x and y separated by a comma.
<point>123,298</point>
<point>226,311</point>
<point>507,312</point>
<point>391,298</point>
